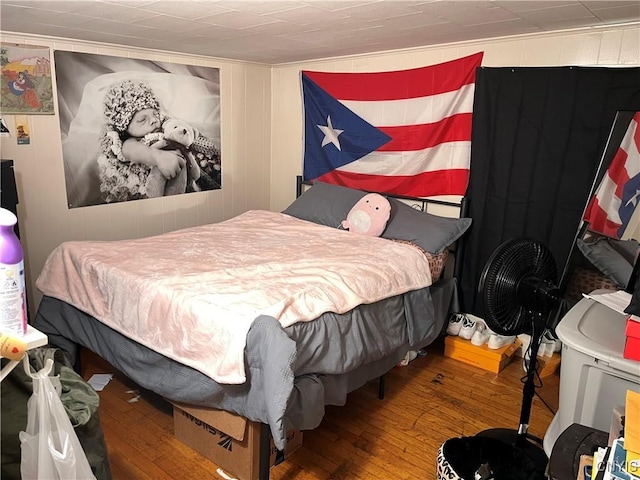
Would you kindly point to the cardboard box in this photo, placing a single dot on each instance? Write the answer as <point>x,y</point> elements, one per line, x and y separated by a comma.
<point>632,344</point>
<point>483,357</point>
<point>548,365</point>
<point>228,440</point>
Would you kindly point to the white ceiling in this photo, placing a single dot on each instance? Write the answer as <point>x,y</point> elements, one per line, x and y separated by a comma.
<point>283,31</point>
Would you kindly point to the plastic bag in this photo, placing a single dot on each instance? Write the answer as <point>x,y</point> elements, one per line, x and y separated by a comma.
<point>50,447</point>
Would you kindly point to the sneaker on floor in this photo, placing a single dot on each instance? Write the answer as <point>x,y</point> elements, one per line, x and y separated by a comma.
<point>557,346</point>
<point>469,326</point>
<point>525,363</point>
<point>455,323</point>
<point>546,348</point>
<point>408,358</point>
<point>498,341</point>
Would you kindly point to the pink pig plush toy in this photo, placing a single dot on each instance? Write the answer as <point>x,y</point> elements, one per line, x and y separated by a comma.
<point>369,216</point>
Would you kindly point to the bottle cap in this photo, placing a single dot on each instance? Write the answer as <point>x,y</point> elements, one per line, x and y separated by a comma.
<point>7,218</point>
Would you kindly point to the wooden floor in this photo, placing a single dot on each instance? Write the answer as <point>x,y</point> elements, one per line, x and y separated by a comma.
<point>431,400</point>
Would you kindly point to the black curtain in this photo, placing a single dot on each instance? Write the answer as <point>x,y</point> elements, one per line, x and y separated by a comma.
<point>537,140</point>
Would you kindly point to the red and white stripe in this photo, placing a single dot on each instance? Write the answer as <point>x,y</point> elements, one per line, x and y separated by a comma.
<point>603,210</point>
<point>426,112</point>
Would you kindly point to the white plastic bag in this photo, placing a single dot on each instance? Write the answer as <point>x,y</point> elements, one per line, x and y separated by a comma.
<point>50,448</point>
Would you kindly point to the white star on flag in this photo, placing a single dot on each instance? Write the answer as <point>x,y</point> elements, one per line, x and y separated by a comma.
<point>330,134</point>
<point>634,199</point>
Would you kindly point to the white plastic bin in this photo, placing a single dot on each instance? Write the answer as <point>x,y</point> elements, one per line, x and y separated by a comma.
<point>594,376</point>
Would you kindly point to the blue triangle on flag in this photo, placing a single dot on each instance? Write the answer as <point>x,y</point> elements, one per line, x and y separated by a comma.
<point>630,199</point>
<point>350,139</point>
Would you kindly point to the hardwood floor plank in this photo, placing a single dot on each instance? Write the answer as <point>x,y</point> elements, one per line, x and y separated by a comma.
<point>120,437</point>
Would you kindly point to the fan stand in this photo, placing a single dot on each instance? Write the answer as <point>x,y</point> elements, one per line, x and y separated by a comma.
<point>520,438</point>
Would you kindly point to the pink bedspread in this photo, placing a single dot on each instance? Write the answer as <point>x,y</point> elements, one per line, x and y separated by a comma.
<point>193,294</point>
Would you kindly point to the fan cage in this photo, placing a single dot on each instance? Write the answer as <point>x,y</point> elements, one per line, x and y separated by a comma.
<point>517,285</point>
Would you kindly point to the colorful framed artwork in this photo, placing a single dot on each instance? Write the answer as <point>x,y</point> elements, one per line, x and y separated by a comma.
<point>136,129</point>
<point>26,80</point>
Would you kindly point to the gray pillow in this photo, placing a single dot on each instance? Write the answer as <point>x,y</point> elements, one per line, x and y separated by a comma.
<point>432,232</point>
<point>607,259</point>
<point>329,205</point>
<point>325,204</point>
<point>627,248</point>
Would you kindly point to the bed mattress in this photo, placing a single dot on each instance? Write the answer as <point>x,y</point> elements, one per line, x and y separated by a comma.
<point>192,294</point>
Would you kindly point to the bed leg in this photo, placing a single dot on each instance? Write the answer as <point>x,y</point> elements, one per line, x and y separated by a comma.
<point>265,447</point>
<point>381,387</point>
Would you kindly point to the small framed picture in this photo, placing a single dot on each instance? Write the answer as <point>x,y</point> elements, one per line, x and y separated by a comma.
<point>26,80</point>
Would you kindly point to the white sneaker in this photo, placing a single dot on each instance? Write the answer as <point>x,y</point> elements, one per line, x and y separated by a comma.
<point>548,345</point>
<point>498,341</point>
<point>525,363</point>
<point>469,327</point>
<point>557,346</point>
<point>455,323</point>
<point>408,358</point>
<point>481,335</point>
<point>546,348</point>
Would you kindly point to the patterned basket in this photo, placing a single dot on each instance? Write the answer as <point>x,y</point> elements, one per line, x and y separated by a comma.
<point>445,470</point>
<point>485,457</point>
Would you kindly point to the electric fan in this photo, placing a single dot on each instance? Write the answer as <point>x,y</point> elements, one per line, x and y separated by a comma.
<point>519,295</point>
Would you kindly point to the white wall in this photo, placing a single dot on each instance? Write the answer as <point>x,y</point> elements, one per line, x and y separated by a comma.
<point>45,221</point>
<point>587,47</point>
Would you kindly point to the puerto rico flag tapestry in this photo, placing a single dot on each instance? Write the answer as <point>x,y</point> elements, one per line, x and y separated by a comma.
<point>402,132</point>
<point>610,209</point>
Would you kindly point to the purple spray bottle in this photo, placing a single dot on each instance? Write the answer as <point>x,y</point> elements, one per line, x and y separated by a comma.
<point>13,305</point>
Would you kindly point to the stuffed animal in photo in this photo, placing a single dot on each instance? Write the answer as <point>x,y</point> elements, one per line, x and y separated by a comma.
<point>201,149</point>
<point>369,216</point>
<point>172,138</point>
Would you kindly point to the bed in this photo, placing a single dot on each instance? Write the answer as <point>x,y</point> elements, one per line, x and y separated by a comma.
<point>284,359</point>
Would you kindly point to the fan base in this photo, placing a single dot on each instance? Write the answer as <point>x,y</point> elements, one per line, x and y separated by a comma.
<point>535,453</point>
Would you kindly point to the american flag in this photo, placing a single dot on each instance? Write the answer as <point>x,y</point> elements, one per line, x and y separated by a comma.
<point>610,209</point>
<point>404,132</point>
